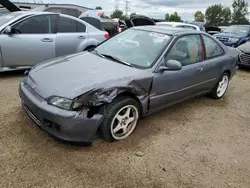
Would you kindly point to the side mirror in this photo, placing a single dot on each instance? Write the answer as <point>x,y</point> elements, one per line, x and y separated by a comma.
<point>171,65</point>
<point>8,30</point>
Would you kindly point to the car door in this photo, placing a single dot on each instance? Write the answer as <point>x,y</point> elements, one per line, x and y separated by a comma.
<point>214,62</point>
<point>170,87</point>
<point>32,42</point>
<point>70,35</point>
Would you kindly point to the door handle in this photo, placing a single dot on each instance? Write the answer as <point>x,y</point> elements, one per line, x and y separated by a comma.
<point>47,40</point>
<point>81,37</point>
<point>199,69</point>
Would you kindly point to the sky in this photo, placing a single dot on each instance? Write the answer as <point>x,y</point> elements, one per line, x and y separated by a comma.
<point>151,8</point>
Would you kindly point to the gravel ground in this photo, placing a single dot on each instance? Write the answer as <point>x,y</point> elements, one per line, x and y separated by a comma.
<point>199,143</point>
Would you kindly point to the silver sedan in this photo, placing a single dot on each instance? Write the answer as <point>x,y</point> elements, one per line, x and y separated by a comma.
<point>28,38</point>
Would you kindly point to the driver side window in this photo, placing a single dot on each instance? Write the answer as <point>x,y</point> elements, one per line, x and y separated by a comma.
<point>41,24</point>
<point>187,50</point>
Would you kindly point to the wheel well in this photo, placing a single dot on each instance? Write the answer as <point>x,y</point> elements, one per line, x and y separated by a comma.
<point>133,96</point>
<point>89,47</point>
<point>228,72</point>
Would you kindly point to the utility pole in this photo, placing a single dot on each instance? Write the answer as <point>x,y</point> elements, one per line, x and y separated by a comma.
<point>127,7</point>
<point>116,4</point>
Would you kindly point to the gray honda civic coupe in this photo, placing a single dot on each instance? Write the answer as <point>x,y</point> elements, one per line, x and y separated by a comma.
<point>136,73</point>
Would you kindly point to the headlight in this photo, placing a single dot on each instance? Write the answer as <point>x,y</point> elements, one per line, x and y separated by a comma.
<point>60,102</point>
<point>234,40</point>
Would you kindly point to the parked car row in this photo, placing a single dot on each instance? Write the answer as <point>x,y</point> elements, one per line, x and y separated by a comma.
<point>72,93</point>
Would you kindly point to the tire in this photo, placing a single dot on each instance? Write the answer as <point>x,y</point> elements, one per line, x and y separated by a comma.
<point>114,118</point>
<point>222,85</point>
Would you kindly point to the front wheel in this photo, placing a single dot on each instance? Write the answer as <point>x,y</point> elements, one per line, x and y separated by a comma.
<point>221,87</point>
<point>120,119</point>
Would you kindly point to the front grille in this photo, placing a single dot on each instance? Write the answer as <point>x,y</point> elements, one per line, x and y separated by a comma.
<point>244,58</point>
<point>222,39</point>
<point>32,116</point>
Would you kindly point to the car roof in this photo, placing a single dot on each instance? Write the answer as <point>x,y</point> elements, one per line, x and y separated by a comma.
<point>168,30</point>
<point>177,23</point>
<point>32,12</point>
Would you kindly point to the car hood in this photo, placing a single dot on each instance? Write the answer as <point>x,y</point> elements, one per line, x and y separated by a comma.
<point>245,47</point>
<point>229,35</point>
<point>74,75</point>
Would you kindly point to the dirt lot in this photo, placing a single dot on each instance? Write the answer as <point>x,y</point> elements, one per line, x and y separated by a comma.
<point>200,143</point>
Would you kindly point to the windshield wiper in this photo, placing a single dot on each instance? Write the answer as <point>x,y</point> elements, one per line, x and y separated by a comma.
<point>116,59</point>
<point>98,53</point>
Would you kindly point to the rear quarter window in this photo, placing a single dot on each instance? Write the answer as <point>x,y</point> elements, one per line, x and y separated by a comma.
<point>71,12</point>
<point>213,49</point>
<point>55,10</point>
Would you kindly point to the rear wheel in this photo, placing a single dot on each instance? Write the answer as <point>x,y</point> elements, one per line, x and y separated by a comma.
<point>120,119</point>
<point>221,87</point>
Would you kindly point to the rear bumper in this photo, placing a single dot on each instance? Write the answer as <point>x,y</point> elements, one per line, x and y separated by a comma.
<point>65,125</point>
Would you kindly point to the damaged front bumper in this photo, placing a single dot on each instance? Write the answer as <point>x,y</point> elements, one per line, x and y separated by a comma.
<point>66,125</point>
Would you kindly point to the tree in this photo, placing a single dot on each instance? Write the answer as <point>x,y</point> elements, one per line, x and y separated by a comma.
<point>240,11</point>
<point>118,14</point>
<point>226,16</point>
<point>98,8</point>
<point>213,15</point>
<point>167,17</point>
<point>174,18</point>
<point>132,14</point>
<point>199,16</point>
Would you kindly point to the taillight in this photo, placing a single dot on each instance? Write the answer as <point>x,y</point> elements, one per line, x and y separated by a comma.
<point>107,36</point>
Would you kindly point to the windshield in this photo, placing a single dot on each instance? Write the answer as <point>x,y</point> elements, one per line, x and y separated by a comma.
<point>236,29</point>
<point>139,48</point>
<point>7,17</point>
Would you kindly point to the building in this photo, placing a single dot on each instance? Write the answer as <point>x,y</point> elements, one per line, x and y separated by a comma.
<point>34,5</point>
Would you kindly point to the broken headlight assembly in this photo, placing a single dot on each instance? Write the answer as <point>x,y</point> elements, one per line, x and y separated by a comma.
<point>87,100</point>
<point>67,104</point>
<point>60,102</point>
